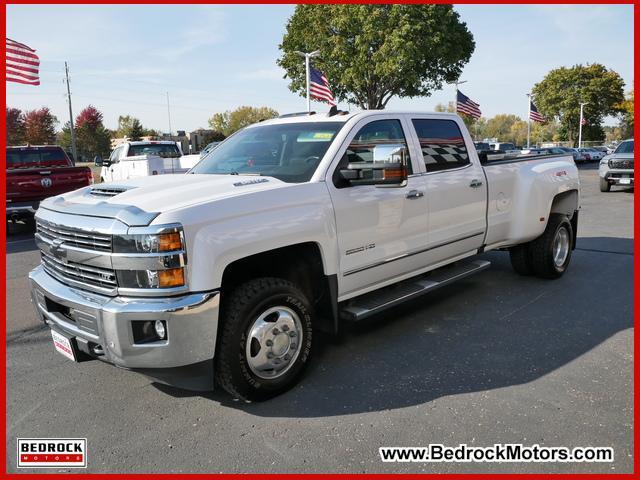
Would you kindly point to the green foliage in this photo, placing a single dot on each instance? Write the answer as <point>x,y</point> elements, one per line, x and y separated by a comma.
<point>131,128</point>
<point>500,127</point>
<point>626,116</point>
<point>233,120</point>
<point>212,136</point>
<point>15,126</point>
<point>371,53</point>
<point>40,127</point>
<point>560,93</point>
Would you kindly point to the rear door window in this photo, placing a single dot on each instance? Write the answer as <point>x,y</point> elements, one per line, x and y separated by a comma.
<point>442,144</point>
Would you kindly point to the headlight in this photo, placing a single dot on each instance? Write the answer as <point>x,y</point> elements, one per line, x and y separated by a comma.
<point>151,257</point>
<point>171,278</point>
<point>169,241</point>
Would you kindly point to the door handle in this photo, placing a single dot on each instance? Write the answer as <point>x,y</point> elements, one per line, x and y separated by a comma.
<point>415,194</point>
<point>475,183</point>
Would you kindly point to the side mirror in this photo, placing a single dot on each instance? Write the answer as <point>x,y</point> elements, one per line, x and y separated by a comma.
<point>97,160</point>
<point>389,168</point>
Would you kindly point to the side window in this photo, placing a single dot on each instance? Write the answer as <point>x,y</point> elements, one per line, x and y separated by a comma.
<point>117,154</point>
<point>368,144</point>
<point>442,144</point>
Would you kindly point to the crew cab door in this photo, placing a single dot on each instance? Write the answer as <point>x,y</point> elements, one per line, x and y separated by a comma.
<point>377,226</point>
<point>456,187</point>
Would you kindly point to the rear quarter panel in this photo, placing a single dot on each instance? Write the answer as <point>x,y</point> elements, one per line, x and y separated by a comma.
<point>520,196</point>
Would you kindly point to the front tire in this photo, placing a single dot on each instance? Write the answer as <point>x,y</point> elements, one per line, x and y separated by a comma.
<point>604,185</point>
<point>265,339</point>
<point>551,251</point>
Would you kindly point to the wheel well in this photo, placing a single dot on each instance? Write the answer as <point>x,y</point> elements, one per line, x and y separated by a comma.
<point>566,203</point>
<point>302,265</point>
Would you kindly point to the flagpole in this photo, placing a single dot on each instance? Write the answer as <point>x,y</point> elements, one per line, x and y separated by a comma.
<point>307,58</point>
<point>455,100</point>
<point>581,116</point>
<point>306,65</point>
<point>529,121</point>
<point>74,149</point>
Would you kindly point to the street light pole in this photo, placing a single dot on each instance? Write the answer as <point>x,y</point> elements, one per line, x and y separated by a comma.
<point>581,117</point>
<point>307,58</point>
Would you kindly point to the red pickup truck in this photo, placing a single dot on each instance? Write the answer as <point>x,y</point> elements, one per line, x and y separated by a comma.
<point>37,172</point>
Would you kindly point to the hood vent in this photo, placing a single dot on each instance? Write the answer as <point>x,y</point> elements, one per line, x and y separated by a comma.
<point>107,190</point>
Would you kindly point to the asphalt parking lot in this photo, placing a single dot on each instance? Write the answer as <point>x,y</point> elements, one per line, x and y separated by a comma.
<point>497,358</point>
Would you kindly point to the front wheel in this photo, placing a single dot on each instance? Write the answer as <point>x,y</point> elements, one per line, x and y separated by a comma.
<point>604,185</point>
<point>266,339</point>
<point>551,251</point>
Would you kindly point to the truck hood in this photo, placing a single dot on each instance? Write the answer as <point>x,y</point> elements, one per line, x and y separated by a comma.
<point>138,201</point>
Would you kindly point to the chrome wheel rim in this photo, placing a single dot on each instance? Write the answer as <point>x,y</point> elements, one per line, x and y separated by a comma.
<point>561,247</point>
<point>274,342</point>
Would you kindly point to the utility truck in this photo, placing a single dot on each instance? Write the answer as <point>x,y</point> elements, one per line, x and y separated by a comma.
<point>290,227</point>
<point>141,159</point>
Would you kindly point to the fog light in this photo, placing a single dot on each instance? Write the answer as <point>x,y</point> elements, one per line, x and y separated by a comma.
<point>160,330</point>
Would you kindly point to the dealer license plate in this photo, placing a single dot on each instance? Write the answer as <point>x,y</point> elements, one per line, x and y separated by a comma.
<point>625,180</point>
<point>63,345</point>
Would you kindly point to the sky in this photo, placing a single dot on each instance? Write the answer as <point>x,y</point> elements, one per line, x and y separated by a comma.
<point>125,59</point>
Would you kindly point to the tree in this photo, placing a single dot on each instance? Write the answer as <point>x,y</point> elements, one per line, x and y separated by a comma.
<point>233,120</point>
<point>626,116</point>
<point>209,136</point>
<point>15,126</point>
<point>130,127</point>
<point>499,127</point>
<point>371,53</point>
<point>93,138</point>
<point>562,90</point>
<point>40,127</point>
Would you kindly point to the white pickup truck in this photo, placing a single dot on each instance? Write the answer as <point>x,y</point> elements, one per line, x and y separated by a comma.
<point>291,226</point>
<point>141,159</point>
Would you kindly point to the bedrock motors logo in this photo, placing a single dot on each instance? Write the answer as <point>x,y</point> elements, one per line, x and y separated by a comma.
<point>52,453</point>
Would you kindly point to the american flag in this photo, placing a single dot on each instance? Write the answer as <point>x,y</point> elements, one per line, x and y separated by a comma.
<point>467,106</point>
<point>22,63</point>
<point>534,114</point>
<point>319,86</point>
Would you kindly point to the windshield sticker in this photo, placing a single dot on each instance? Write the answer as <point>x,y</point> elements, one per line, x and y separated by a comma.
<point>315,137</point>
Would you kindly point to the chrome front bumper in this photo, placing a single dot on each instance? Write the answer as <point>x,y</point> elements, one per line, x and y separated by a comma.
<point>615,175</point>
<point>191,321</point>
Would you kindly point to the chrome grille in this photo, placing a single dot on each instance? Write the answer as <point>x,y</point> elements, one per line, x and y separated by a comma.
<point>102,280</point>
<point>74,237</point>
<point>622,164</point>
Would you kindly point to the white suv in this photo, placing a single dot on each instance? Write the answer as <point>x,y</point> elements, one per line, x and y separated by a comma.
<point>617,168</point>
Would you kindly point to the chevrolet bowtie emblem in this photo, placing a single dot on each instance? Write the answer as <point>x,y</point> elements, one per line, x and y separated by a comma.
<point>57,250</point>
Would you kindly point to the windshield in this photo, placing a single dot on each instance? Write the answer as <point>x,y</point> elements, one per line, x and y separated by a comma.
<point>157,149</point>
<point>289,152</point>
<point>625,147</point>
